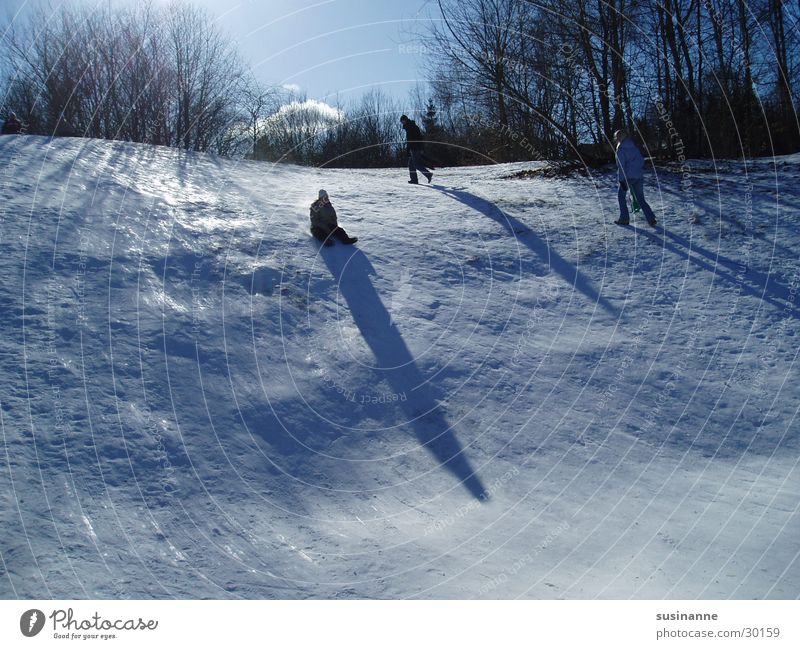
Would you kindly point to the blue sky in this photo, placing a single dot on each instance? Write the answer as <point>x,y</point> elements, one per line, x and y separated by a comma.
<point>323,47</point>
<point>328,46</point>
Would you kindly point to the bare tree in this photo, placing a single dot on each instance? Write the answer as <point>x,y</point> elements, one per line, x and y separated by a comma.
<point>258,102</point>
<point>478,47</point>
<point>722,72</point>
<point>163,75</point>
<point>208,76</point>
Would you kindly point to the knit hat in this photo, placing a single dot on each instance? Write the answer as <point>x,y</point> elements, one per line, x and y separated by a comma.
<point>403,118</point>
<point>322,194</point>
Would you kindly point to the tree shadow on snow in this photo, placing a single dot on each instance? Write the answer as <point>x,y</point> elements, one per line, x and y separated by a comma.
<point>396,364</point>
<point>556,262</point>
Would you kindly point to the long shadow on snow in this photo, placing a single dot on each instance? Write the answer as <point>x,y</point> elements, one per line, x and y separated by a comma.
<point>718,212</point>
<point>396,363</point>
<point>765,288</point>
<point>566,269</point>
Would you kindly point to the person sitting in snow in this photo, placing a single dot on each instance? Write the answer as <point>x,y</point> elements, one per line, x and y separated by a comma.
<point>416,150</point>
<point>630,173</point>
<point>12,125</point>
<point>324,225</point>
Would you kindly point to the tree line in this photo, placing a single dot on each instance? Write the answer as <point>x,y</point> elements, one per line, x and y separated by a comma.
<point>506,80</point>
<point>166,75</point>
<point>146,73</point>
<point>365,133</point>
<point>706,77</point>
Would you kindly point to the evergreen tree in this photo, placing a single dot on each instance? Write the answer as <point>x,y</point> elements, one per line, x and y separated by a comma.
<point>429,118</point>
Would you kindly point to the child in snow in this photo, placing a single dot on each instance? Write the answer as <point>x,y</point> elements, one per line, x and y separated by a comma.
<point>630,172</point>
<point>324,225</point>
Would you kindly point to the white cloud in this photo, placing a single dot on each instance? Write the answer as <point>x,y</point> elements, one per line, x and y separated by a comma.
<point>308,117</point>
<point>292,87</point>
<point>325,111</point>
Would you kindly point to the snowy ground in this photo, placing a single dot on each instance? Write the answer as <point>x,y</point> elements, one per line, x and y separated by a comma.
<point>496,393</point>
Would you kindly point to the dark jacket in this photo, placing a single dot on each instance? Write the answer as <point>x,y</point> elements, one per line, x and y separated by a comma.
<point>414,139</point>
<point>12,126</point>
<point>323,216</point>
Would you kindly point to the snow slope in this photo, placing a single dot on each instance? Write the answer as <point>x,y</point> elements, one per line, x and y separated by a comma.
<point>495,394</point>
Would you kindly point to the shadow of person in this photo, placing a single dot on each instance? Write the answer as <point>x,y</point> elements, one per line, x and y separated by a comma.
<point>750,281</point>
<point>395,364</point>
<point>549,256</point>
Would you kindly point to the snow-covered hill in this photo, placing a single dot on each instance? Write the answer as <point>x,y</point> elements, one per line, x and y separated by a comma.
<point>496,393</point>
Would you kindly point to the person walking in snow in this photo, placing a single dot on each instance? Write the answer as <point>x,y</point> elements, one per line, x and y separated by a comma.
<point>416,148</point>
<point>324,224</point>
<point>630,173</point>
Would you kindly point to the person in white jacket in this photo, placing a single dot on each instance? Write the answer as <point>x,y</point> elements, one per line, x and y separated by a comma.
<point>630,172</point>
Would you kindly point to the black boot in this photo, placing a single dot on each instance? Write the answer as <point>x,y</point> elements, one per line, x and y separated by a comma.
<point>343,237</point>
